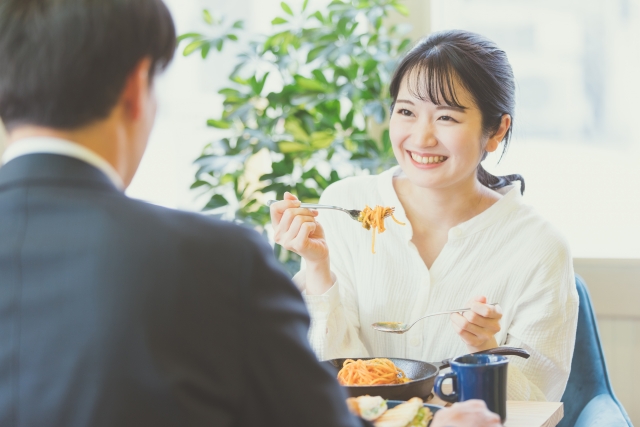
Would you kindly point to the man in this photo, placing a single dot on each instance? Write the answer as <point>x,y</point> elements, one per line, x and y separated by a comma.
<point>114,312</point>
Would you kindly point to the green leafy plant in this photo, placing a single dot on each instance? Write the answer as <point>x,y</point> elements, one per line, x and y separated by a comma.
<point>306,105</point>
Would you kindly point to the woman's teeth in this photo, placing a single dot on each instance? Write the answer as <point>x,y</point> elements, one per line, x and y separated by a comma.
<point>428,159</point>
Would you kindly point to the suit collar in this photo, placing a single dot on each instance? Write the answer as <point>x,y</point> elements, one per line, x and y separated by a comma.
<point>52,170</point>
<point>51,145</point>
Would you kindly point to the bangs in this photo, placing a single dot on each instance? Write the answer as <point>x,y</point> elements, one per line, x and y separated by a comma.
<point>433,79</point>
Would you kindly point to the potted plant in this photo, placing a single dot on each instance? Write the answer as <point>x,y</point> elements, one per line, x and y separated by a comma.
<point>306,105</point>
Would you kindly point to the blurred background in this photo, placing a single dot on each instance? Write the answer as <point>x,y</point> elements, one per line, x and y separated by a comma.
<point>576,137</point>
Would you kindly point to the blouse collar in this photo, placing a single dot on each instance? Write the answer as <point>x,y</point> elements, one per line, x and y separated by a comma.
<point>511,199</point>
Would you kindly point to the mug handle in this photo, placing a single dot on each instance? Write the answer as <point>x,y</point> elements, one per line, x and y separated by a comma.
<point>451,398</point>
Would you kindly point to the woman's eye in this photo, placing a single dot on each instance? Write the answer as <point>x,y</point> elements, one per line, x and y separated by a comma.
<point>404,112</point>
<point>446,119</point>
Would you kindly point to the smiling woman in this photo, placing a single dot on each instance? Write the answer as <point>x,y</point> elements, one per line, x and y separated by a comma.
<point>468,238</point>
<point>451,59</point>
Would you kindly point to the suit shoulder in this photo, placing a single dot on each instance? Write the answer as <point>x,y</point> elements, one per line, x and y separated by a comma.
<point>195,227</point>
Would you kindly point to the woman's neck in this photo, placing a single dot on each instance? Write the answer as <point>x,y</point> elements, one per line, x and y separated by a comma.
<point>443,208</point>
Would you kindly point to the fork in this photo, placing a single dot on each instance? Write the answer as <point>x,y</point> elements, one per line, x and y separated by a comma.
<point>353,213</point>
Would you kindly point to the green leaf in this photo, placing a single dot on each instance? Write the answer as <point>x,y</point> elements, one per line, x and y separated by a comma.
<point>292,147</point>
<point>319,75</point>
<point>304,5</point>
<point>198,184</point>
<point>403,45</point>
<point>286,8</point>
<point>218,124</point>
<point>260,84</point>
<point>369,66</point>
<point>205,50</point>
<point>293,127</point>
<point>309,84</point>
<point>350,145</point>
<point>378,23</point>
<point>322,139</point>
<point>239,80</point>
<point>315,53</point>
<point>401,8</point>
<point>279,21</point>
<point>219,44</point>
<point>193,46</point>
<point>318,16</point>
<point>207,17</point>
<point>188,36</point>
<point>229,92</point>
<point>217,201</point>
<point>386,142</point>
<point>232,37</point>
<point>238,24</point>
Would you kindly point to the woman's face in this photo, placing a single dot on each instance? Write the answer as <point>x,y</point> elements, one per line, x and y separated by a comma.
<point>437,146</point>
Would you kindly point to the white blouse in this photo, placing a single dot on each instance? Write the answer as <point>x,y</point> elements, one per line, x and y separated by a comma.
<point>508,253</point>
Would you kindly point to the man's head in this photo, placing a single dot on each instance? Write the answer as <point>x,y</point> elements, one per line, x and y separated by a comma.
<point>70,64</point>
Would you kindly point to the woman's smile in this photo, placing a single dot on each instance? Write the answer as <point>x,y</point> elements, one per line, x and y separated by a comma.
<point>426,160</point>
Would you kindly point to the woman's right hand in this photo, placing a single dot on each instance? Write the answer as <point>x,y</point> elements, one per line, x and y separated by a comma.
<point>297,230</point>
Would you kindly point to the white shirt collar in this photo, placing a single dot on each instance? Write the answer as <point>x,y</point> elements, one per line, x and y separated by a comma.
<point>511,199</point>
<point>48,145</point>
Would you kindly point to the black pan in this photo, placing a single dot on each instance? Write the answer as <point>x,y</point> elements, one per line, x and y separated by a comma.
<point>422,374</point>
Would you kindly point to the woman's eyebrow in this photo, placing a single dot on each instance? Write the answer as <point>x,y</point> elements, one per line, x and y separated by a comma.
<point>451,107</point>
<point>438,107</point>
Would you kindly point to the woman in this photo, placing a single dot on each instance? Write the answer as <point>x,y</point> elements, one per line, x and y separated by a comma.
<point>469,240</point>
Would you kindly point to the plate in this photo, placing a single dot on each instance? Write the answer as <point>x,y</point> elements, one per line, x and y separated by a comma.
<point>432,408</point>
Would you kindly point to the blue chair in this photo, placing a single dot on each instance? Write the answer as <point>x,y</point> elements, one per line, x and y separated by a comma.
<point>588,399</point>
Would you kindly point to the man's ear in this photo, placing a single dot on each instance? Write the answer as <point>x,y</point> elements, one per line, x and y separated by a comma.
<point>136,90</point>
<point>498,136</point>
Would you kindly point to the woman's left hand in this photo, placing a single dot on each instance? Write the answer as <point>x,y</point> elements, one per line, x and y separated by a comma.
<point>478,327</point>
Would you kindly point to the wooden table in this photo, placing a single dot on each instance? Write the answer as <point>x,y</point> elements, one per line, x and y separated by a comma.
<point>523,414</point>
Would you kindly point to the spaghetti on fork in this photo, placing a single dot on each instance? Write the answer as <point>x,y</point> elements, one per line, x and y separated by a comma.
<point>373,219</point>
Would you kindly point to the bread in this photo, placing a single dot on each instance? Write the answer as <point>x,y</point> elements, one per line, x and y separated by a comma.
<point>367,407</point>
<point>401,415</point>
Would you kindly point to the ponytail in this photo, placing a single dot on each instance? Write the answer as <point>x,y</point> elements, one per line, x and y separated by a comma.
<point>495,182</point>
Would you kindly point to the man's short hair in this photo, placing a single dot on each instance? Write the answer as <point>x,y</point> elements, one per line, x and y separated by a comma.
<point>64,63</point>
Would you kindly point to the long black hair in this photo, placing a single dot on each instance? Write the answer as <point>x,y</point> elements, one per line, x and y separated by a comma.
<point>480,66</point>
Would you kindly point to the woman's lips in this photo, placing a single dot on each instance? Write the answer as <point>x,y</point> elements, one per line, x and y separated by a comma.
<point>427,159</point>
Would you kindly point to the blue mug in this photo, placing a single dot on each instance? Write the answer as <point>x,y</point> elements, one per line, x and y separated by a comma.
<point>478,376</point>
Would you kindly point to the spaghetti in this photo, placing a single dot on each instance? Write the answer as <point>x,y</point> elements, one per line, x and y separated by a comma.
<point>373,219</point>
<point>371,372</point>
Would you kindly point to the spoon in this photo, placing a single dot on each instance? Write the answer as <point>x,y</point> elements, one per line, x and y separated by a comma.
<point>401,328</point>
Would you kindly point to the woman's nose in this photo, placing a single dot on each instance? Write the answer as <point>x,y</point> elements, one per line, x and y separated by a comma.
<point>425,136</point>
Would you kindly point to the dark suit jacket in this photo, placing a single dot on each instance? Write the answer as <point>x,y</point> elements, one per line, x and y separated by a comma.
<point>114,312</point>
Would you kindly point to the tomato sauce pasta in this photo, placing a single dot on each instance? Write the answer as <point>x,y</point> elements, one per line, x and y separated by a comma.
<point>371,372</point>
<point>373,219</point>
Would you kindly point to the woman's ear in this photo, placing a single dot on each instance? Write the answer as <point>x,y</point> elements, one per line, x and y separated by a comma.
<point>498,136</point>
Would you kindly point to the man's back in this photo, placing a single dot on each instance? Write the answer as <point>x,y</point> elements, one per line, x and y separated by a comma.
<point>116,312</point>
